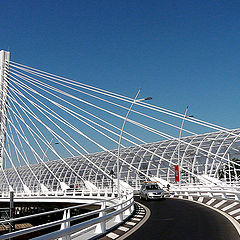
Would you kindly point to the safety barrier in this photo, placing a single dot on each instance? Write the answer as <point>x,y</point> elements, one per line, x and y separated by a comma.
<point>112,212</point>
<point>223,192</point>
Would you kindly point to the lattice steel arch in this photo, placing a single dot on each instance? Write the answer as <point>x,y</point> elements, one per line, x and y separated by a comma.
<point>153,159</point>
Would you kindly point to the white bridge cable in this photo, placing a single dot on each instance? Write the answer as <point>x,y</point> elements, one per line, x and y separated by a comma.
<point>34,104</point>
<point>18,115</point>
<point>118,135</point>
<point>18,124</point>
<point>57,137</point>
<point>119,116</point>
<point>164,135</point>
<point>81,109</point>
<point>21,129</point>
<point>13,165</point>
<point>19,152</point>
<point>103,148</point>
<point>70,112</point>
<point>158,156</point>
<point>75,114</point>
<point>52,149</point>
<point>11,133</point>
<point>29,145</point>
<point>5,176</point>
<point>226,130</point>
<point>118,96</point>
<point>170,137</point>
<point>27,142</point>
<point>18,73</point>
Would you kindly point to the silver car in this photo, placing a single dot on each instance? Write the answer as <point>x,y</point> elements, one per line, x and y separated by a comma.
<point>151,191</point>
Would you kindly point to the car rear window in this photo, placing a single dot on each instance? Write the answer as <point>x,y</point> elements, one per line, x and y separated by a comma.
<point>152,187</point>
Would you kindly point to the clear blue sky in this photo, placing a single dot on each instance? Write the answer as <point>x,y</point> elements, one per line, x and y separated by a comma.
<point>179,52</point>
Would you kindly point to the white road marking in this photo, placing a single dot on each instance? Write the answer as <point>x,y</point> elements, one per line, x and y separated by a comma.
<point>112,235</point>
<point>229,206</point>
<point>234,211</point>
<point>131,223</point>
<point>220,204</point>
<point>136,219</point>
<point>211,201</point>
<point>124,229</point>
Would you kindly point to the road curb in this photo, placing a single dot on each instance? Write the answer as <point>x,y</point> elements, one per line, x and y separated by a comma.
<point>122,231</point>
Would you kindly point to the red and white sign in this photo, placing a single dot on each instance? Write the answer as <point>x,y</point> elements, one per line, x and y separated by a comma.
<point>176,173</point>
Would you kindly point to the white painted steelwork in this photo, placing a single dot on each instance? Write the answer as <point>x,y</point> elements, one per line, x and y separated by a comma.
<point>113,210</point>
<point>4,71</point>
<point>217,191</point>
<point>153,159</point>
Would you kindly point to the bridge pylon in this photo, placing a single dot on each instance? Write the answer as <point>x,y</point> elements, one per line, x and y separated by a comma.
<point>4,71</point>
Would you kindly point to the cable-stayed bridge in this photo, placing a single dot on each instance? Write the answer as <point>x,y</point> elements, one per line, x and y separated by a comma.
<point>63,140</point>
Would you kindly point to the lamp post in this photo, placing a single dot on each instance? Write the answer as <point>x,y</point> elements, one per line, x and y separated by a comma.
<point>11,212</point>
<point>48,148</point>
<point>179,142</point>
<point>120,138</point>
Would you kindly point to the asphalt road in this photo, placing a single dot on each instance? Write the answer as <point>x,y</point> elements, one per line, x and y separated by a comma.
<point>174,219</point>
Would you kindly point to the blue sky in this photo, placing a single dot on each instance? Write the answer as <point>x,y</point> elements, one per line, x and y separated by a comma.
<point>179,52</point>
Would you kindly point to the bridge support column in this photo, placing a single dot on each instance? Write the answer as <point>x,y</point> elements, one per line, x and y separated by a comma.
<point>4,71</point>
<point>66,215</point>
<point>119,217</point>
<point>101,227</point>
<point>237,197</point>
<point>128,211</point>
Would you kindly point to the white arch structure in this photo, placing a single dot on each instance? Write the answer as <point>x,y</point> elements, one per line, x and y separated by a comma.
<point>58,133</point>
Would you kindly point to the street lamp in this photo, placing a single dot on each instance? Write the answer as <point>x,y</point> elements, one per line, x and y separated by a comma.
<point>179,141</point>
<point>50,144</point>
<point>120,138</point>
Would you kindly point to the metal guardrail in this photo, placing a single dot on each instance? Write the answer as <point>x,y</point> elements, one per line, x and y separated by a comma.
<point>223,192</point>
<point>70,192</point>
<point>112,208</point>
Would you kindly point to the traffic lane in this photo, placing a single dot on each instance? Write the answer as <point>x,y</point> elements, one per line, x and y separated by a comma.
<point>174,219</point>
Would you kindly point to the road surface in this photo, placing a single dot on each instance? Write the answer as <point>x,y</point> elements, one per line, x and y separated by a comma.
<point>174,219</point>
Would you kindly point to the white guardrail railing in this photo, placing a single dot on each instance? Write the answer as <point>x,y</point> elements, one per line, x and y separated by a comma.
<point>106,192</point>
<point>229,193</point>
<point>113,210</point>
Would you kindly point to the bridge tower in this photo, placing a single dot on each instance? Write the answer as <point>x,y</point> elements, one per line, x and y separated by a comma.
<point>4,71</point>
